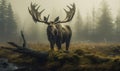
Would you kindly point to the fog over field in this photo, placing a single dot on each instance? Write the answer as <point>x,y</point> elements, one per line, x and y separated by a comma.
<point>84,6</point>
<point>87,17</point>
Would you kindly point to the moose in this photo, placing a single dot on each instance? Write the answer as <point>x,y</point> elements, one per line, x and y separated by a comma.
<point>56,32</point>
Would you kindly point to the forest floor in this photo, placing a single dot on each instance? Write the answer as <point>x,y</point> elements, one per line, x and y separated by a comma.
<point>81,57</point>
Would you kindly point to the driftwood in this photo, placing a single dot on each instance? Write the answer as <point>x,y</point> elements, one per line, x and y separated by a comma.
<point>26,50</point>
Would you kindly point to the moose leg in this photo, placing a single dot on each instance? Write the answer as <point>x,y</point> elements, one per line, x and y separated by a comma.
<point>52,45</point>
<point>58,45</point>
<point>67,44</point>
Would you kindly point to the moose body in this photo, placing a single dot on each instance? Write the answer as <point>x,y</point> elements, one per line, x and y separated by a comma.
<point>56,32</point>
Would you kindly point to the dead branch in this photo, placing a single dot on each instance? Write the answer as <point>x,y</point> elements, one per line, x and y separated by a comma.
<point>24,41</point>
<point>26,50</point>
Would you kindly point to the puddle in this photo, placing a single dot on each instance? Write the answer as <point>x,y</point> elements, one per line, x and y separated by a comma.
<point>5,65</point>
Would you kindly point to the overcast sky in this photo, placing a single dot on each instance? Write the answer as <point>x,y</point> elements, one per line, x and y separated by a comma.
<point>85,6</point>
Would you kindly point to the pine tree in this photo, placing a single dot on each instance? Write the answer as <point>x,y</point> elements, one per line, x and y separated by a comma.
<point>78,26</point>
<point>93,21</point>
<point>93,25</point>
<point>87,31</point>
<point>7,21</point>
<point>117,29</point>
<point>11,23</point>
<point>1,28</point>
<point>105,25</point>
<point>3,16</point>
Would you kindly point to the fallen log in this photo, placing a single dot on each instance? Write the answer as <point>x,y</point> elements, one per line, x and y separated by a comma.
<point>26,50</point>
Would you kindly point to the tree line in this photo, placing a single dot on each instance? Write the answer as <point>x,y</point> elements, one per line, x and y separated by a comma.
<point>8,25</point>
<point>99,27</point>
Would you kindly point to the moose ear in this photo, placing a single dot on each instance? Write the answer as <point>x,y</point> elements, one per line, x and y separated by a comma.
<point>56,19</point>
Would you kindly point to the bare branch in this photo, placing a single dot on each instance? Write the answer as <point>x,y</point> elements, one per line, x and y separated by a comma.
<point>24,41</point>
<point>27,51</point>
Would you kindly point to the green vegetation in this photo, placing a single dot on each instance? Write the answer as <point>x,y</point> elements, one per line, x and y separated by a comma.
<point>82,57</point>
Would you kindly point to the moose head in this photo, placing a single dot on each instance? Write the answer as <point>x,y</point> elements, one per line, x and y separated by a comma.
<point>56,32</point>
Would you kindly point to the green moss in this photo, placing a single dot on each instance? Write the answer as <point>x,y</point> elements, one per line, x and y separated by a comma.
<point>79,52</point>
<point>69,67</point>
<point>77,59</point>
<point>63,57</point>
<point>96,59</point>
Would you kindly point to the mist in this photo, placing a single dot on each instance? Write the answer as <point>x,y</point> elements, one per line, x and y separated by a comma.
<point>84,6</point>
<point>36,32</point>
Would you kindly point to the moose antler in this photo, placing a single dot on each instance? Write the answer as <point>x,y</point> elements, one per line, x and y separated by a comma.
<point>37,15</point>
<point>69,13</point>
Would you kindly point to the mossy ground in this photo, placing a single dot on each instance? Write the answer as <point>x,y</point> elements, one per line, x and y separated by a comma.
<point>81,57</point>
